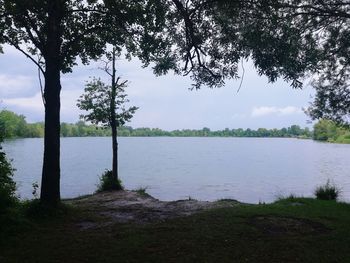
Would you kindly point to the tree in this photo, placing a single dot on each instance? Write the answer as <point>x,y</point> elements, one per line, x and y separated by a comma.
<point>310,38</point>
<point>106,105</point>
<point>52,34</point>
<point>327,24</point>
<point>14,125</point>
<point>323,130</point>
<point>290,39</point>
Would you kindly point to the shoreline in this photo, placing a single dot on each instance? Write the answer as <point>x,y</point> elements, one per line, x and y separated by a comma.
<point>128,206</point>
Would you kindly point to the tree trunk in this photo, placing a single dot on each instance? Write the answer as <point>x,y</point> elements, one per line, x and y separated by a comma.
<point>114,121</point>
<point>115,151</point>
<point>50,182</point>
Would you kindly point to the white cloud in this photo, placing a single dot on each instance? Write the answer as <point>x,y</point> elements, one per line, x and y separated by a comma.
<point>15,86</point>
<point>265,111</point>
<point>33,103</point>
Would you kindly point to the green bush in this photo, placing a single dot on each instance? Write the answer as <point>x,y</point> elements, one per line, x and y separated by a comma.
<point>108,182</point>
<point>8,196</point>
<point>327,192</point>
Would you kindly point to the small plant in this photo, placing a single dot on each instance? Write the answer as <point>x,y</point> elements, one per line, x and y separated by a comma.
<point>261,202</point>
<point>35,186</point>
<point>108,183</point>
<point>291,197</point>
<point>142,191</point>
<point>327,192</point>
<point>190,198</point>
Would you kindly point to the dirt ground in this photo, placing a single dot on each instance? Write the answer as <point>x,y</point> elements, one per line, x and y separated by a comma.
<point>133,207</point>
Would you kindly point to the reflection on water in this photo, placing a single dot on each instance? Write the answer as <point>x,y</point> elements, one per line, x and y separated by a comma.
<point>246,169</point>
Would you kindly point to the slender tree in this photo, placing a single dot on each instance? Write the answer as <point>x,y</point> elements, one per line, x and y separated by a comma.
<point>106,105</point>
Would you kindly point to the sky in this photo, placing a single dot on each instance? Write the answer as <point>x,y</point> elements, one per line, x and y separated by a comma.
<point>164,102</point>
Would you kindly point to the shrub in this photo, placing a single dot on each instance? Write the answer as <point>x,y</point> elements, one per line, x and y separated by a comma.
<point>108,182</point>
<point>142,191</point>
<point>327,192</point>
<point>8,196</point>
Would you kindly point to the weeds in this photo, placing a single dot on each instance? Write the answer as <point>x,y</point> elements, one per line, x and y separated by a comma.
<point>108,183</point>
<point>142,191</point>
<point>327,192</point>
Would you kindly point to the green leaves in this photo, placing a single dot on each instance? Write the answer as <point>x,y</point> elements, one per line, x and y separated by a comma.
<point>289,39</point>
<point>97,100</point>
<point>7,185</point>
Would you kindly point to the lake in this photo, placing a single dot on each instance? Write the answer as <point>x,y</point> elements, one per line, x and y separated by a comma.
<point>247,169</point>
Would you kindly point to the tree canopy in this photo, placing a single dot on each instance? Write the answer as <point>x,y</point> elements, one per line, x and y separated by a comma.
<point>97,99</point>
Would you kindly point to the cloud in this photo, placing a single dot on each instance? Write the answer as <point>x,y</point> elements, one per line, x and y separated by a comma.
<point>33,103</point>
<point>16,86</point>
<point>265,111</point>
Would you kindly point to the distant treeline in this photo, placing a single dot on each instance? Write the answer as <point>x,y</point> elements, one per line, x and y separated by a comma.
<point>15,126</point>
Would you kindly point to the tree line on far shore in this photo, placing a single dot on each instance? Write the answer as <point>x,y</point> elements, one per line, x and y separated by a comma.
<point>15,126</point>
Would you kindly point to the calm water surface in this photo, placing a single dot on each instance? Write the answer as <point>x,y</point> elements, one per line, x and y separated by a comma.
<point>246,169</point>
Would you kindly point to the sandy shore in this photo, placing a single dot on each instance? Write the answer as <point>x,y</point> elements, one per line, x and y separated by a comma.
<point>132,207</point>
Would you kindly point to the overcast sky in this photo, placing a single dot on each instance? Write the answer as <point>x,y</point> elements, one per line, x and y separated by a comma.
<point>164,102</point>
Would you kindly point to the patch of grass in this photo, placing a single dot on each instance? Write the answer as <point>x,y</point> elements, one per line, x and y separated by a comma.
<point>317,231</point>
<point>291,197</point>
<point>108,183</point>
<point>142,191</point>
<point>327,192</point>
<point>37,210</point>
<point>227,200</point>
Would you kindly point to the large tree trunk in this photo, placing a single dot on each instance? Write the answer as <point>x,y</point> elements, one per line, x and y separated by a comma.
<point>50,184</point>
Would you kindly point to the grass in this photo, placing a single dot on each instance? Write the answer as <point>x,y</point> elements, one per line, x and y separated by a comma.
<point>142,191</point>
<point>327,192</point>
<point>109,183</point>
<point>313,231</point>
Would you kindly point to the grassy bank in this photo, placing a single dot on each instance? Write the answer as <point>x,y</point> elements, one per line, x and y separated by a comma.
<point>290,230</point>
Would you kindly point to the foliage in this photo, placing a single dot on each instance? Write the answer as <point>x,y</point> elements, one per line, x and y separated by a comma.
<point>332,100</point>
<point>8,196</point>
<point>108,182</point>
<point>13,125</point>
<point>291,197</point>
<point>327,192</point>
<point>327,130</point>
<point>142,191</point>
<point>81,129</point>
<point>324,27</point>
<point>97,101</point>
<point>53,34</point>
<point>290,39</point>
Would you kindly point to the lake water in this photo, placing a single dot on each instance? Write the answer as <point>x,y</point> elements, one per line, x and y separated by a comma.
<point>246,169</point>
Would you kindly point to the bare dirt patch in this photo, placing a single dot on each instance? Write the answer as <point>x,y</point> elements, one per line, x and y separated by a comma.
<point>132,207</point>
<point>282,226</point>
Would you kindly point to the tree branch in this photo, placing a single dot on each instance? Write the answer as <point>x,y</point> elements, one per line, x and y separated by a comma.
<point>25,53</point>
